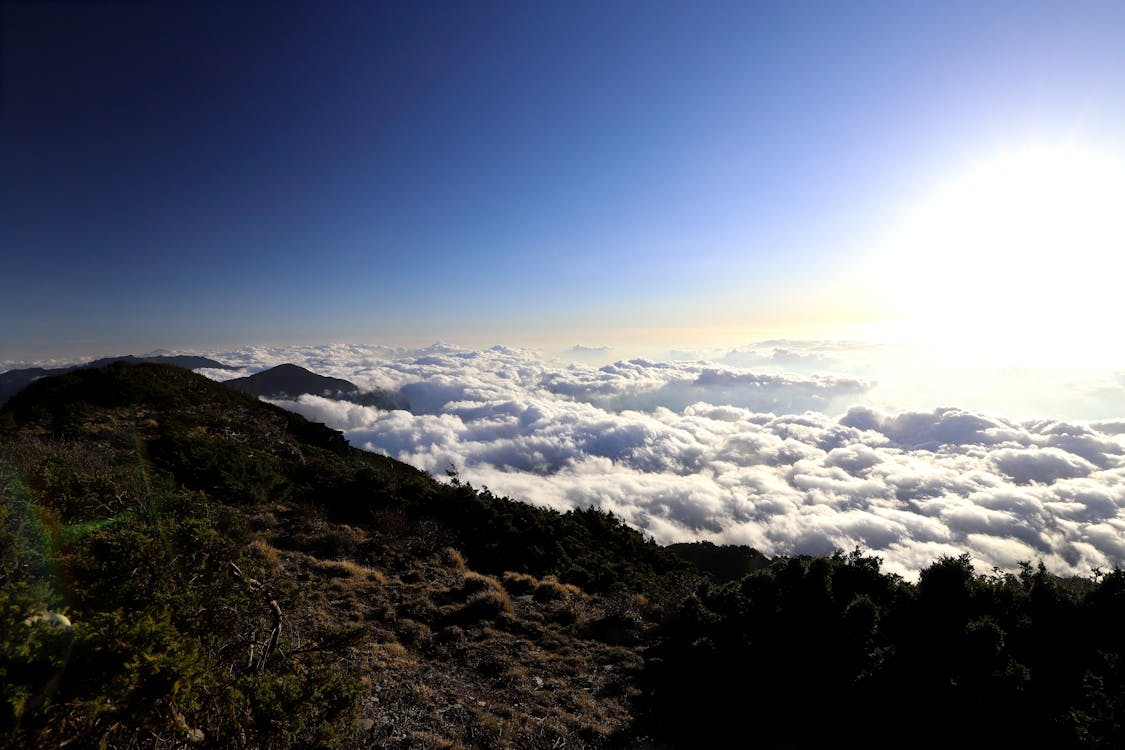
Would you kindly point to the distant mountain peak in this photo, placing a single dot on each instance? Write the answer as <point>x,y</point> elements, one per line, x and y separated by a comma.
<point>287,382</point>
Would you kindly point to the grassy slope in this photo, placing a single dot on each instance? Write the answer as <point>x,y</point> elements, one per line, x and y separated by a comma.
<point>166,515</point>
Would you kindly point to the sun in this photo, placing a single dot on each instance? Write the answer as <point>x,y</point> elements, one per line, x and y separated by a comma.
<point>1021,253</point>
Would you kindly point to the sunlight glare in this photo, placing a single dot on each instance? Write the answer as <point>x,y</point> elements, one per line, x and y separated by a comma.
<point>1021,256</point>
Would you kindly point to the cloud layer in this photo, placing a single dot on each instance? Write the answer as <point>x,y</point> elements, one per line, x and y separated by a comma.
<point>706,450</point>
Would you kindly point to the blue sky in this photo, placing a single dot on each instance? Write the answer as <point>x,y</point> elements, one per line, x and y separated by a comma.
<point>214,174</point>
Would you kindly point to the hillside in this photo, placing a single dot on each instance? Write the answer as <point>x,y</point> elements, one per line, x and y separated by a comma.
<point>233,570</point>
<point>184,565</point>
<point>13,381</point>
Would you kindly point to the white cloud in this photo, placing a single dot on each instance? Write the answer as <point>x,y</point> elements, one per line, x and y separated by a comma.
<point>699,450</point>
<point>1042,465</point>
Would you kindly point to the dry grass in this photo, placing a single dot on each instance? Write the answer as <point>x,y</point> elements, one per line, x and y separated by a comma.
<point>453,559</point>
<point>478,598</point>
<point>413,634</point>
<point>347,569</point>
<point>430,741</point>
<point>519,584</point>
<point>454,658</point>
<point>550,589</point>
<point>387,655</point>
<point>485,605</point>
<point>265,553</point>
<point>475,583</point>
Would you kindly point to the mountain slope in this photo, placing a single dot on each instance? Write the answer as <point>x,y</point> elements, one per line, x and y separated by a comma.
<point>238,575</point>
<point>13,381</point>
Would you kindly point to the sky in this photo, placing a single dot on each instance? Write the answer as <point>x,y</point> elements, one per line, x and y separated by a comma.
<point>637,175</point>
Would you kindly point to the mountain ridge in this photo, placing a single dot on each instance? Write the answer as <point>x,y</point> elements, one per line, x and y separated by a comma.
<point>13,381</point>
<point>288,382</point>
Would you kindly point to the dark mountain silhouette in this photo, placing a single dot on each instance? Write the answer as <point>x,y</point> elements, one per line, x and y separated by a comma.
<point>288,382</point>
<point>13,381</point>
<point>186,361</point>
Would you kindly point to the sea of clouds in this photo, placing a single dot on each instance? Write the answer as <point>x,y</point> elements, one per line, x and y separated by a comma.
<point>753,447</point>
